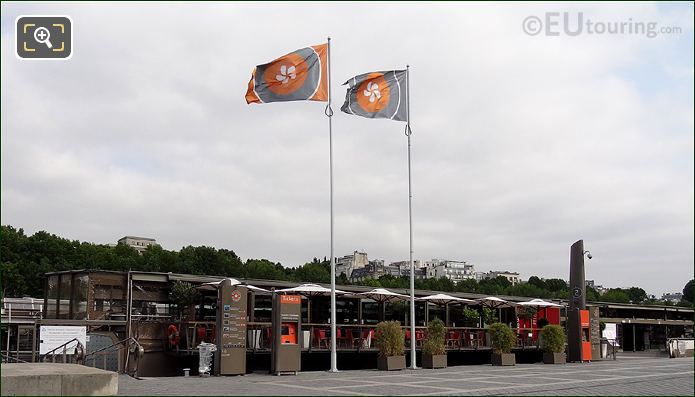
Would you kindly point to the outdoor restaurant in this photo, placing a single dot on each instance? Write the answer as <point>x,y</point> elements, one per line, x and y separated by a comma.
<point>154,323</point>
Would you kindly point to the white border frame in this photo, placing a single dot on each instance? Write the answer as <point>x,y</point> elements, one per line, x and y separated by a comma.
<point>72,39</point>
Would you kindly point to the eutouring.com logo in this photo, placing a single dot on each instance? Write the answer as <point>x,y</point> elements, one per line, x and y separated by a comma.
<point>575,24</point>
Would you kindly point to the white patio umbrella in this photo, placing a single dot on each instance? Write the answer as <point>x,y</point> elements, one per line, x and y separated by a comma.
<point>538,304</point>
<point>215,284</point>
<point>443,299</point>
<point>309,291</point>
<point>383,295</point>
<point>494,302</point>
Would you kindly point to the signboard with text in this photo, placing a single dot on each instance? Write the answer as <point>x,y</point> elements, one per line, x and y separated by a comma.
<point>53,336</point>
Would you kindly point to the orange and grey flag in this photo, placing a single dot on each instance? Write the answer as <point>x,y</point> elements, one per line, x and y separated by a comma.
<point>298,76</point>
<point>377,95</point>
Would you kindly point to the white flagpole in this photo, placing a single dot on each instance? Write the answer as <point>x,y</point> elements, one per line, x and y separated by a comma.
<point>408,132</point>
<point>329,113</point>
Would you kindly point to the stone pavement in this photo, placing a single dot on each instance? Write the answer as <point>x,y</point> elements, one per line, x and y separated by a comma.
<point>625,376</point>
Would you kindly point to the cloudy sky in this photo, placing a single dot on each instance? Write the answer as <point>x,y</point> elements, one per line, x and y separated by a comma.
<point>522,144</point>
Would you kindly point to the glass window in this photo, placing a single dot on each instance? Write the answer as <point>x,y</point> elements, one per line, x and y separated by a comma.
<point>79,308</point>
<point>65,293</point>
<point>52,296</point>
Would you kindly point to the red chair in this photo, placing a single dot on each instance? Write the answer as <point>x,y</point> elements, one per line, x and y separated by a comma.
<point>343,336</point>
<point>407,337</point>
<point>320,337</point>
<point>453,339</point>
<point>368,338</point>
<point>419,337</point>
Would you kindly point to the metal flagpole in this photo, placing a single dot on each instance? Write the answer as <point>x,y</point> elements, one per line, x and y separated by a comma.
<point>408,132</point>
<point>329,113</point>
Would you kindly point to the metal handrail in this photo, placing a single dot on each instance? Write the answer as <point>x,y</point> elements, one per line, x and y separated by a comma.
<point>13,358</point>
<point>64,347</point>
<point>139,350</point>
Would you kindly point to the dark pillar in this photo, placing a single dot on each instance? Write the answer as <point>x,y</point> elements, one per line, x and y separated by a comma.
<point>577,302</point>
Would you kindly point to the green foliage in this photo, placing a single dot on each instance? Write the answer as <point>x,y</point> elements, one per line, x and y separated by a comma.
<point>542,322</point>
<point>184,295</point>
<point>688,291</point>
<point>615,295</point>
<point>489,316</point>
<point>389,338</point>
<point>470,317</point>
<point>553,340</point>
<point>12,280</point>
<point>526,312</point>
<point>435,343</point>
<point>502,338</point>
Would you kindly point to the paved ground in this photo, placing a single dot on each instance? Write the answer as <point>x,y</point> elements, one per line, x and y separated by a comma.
<point>625,376</point>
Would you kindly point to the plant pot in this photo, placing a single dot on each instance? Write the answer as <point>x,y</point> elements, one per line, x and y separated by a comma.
<point>554,358</point>
<point>392,363</point>
<point>434,361</point>
<point>503,359</point>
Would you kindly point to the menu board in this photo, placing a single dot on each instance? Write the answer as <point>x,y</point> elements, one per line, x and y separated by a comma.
<point>233,332</point>
<point>232,319</point>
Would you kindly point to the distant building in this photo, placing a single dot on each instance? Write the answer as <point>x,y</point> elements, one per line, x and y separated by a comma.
<point>672,297</point>
<point>139,244</point>
<point>513,277</point>
<point>453,270</point>
<point>416,263</point>
<point>373,270</point>
<point>376,268</point>
<point>348,263</point>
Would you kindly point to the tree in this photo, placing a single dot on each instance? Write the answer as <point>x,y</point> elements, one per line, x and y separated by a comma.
<point>616,295</point>
<point>12,280</point>
<point>636,294</point>
<point>312,273</point>
<point>688,291</point>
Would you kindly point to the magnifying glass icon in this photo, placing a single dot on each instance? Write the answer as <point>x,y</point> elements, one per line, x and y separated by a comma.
<point>43,35</point>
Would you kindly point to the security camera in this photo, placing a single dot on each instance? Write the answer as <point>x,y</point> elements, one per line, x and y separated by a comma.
<point>588,256</point>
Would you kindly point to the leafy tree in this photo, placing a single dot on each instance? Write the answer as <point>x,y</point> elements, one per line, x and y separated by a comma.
<point>263,269</point>
<point>12,280</point>
<point>687,291</point>
<point>636,294</point>
<point>312,272</point>
<point>615,295</point>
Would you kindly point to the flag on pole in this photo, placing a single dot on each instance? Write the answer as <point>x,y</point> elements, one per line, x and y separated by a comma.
<point>298,76</point>
<point>377,95</point>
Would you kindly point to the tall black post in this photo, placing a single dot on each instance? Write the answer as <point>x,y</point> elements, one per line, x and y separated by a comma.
<point>577,302</point>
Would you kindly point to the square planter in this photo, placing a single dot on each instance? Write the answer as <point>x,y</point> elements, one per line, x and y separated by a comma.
<point>503,359</point>
<point>554,358</point>
<point>434,361</point>
<point>393,363</point>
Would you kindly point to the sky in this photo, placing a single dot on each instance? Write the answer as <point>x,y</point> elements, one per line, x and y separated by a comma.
<point>522,144</point>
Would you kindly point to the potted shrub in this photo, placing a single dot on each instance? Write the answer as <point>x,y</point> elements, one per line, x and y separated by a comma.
<point>471,317</point>
<point>553,344</point>
<point>502,340</point>
<point>389,340</point>
<point>434,350</point>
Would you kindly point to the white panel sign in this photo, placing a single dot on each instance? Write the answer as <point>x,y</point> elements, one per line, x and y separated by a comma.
<point>53,336</point>
<point>611,333</point>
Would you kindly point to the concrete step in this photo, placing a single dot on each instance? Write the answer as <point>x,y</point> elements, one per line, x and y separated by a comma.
<point>54,379</point>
